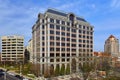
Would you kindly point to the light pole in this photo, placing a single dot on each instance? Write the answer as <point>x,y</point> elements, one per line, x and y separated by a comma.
<point>20,69</point>
<point>5,70</point>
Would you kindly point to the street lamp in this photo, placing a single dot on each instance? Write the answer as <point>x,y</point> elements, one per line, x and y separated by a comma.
<point>17,61</point>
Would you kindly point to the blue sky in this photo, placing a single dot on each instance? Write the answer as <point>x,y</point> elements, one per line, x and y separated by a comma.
<point>18,16</point>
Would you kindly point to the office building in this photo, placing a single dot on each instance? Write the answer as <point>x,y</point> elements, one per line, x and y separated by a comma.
<point>12,48</point>
<point>61,38</point>
<point>112,46</point>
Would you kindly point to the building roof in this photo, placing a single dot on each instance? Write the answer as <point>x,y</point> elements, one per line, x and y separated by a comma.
<point>102,54</point>
<point>111,36</point>
<point>53,11</point>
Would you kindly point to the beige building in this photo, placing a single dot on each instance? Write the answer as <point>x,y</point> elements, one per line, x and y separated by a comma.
<point>112,46</point>
<point>12,48</point>
<point>30,49</point>
<point>59,38</point>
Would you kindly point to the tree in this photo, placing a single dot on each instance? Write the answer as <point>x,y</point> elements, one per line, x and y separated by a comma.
<point>51,70</point>
<point>57,70</point>
<point>62,71</point>
<point>73,65</point>
<point>67,69</point>
<point>86,68</point>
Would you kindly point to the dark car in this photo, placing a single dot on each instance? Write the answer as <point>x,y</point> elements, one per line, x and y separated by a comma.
<point>19,77</point>
<point>1,70</point>
<point>1,74</point>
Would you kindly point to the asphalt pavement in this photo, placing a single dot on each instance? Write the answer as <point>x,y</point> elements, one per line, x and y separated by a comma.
<point>9,77</point>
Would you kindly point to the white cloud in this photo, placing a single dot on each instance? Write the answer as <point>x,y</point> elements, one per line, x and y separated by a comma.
<point>115,3</point>
<point>93,6</point>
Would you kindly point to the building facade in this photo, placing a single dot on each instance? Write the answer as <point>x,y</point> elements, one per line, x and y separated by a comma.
<point>12,48</point>
<point>112,46</point>
<point>61,38</point>
<point>30,50</point>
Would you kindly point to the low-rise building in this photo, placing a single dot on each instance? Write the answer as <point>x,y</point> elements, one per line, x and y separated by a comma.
<point>12,48</point>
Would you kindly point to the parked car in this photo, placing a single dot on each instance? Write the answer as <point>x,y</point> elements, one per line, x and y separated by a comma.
<point>19,77</point>
<point>1,74</point>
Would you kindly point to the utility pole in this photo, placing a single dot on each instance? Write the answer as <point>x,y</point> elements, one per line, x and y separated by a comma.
<point>5,75</point>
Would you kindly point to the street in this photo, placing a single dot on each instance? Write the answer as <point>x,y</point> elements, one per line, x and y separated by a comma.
<point>9,77</point>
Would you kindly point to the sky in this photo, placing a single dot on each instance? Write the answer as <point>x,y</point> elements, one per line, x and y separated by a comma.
<point>18,16</point>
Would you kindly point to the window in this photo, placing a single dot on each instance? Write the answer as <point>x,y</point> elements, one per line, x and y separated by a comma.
<point>88,28</point>
<point>51,32</point>
<point>63,60</point>
<point>80,45</point>
<point>63,49</point>
<point>79,36</point>
<point>73,45</point>
<point>51,26</point>
<point>87,46</point>
<point>80,31</point>
<point>91,46</point>
<point>52,43</point>
<point>83,36</point>
<point>42,32</point>
<point>83,45</point>
<point>63,39</point>
<point>91,42</point>
<point>51,54</point>
<point>51,20</point>
<point>42,49</point>
<point>68,34</point>
<point>83,32</point>
<point>63,22</point>
<point>51,49</point>
<point>63,44</point>
<point>57,49</point>
<point>68,39</point>
<point>79,26</point>
<point>68,24</point>
<point>71,17</point>
<point>73,40</point>
<point>51,37</point>
<point>51,60</point>
<point>58,21</point>
<point>91,33</point>
<point>43,38</point>
<point>91,37</point>
<point>57,55</point>
<point>63,28</point>
<point>91,28</point>
<point>42,20</point>
<point>68,29</point>
<point>68,59</point>
<point>58,27</point>
<point>73,49</point>
<point>57,33</point>
<point>73,35</point>
<point>42,26</point>
<point>73,30</point>
<point>80,40</point>
<point>87,41</point>
<point>63,33</point>
<point>57,38</point>
<point>83,41</point>
<point>83,27</point>
<point>87,37</point>
<point>43,44</point>
<point>68,49</point>
<point>68,44</point>
<point>57,44</point>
